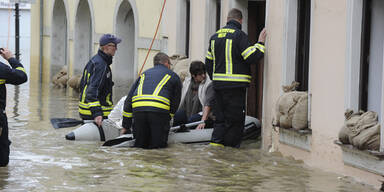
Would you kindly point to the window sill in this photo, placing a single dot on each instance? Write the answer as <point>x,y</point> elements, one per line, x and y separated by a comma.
<point>372,161</point>
<point>296,138</point>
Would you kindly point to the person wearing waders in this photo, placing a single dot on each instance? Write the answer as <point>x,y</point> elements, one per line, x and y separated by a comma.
<point>14,75</point>
<point>151,102</point>
<point>96,82</point>
<point>228,62</point>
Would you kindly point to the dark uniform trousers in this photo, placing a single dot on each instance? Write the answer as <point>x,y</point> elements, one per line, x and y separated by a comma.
<point>4,141</point>
<point>151,129</point>
<point>230,116</point>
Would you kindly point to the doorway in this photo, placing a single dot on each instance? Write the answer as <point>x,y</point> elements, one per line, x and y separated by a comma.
<point>83,37</point>
<point>124,62</point>
<point>59,38</point>
<point>256,23</point>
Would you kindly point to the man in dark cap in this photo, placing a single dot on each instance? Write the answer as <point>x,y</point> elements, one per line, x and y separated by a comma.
<point>96,82</point>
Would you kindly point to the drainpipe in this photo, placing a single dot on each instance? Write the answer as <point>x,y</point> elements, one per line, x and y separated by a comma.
<point>17,32</point>
<point>41,40</point>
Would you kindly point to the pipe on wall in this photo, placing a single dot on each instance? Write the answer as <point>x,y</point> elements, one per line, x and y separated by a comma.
<point>41,40</point>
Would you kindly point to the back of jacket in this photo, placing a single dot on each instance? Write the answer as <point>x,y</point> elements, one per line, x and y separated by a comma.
<point>96,87</point>
<point>158,90</point>
<point>229,57</point>
<point>14,75</point>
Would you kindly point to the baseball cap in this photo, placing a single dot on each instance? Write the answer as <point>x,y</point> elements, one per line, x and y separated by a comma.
<point>109,38</point>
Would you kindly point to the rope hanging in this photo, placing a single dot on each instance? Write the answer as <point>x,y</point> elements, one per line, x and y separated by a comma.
<point>153,39</point>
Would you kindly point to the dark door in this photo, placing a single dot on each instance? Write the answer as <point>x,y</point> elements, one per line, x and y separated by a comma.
<point>256,22</point>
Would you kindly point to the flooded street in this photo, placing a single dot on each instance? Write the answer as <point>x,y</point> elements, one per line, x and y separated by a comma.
<point>42,160</point>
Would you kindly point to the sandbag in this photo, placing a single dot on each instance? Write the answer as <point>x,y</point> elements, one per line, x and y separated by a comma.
<point>300,116</point>
<point>286,108</point>
<point>362,130</point>
<point>368,138</point>
<point>366,120</point>
<point>351,120</point>
<point>60,79</point>
<point>74,82</point>
<point>180,65</point>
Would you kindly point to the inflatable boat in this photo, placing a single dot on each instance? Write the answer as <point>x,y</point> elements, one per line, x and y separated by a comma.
<point>110,131</point>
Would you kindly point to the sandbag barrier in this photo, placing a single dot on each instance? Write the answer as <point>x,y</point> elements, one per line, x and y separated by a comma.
<point>291,110</point>
<point>361,130</point>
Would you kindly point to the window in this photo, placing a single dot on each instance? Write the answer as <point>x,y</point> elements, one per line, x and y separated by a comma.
<point>371,56</point>
<point>365,48</point>
<point>183,27</point>
<point>296,50</point>
<point>371,62</point>
<point>296,53</point>
<point>302,43</point>
<point>296,46</point>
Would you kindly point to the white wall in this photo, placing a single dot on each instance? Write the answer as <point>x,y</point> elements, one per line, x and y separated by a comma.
<point>25,33</point>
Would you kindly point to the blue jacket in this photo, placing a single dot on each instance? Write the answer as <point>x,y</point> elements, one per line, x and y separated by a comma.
<point>14,75</point>
<point>157,90</point>
<point>96,87</point>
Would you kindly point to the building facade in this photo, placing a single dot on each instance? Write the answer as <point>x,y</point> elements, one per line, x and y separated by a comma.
<point>322,44</point>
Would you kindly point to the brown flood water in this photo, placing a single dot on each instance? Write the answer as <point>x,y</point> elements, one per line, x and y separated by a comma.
<point>42,160</point>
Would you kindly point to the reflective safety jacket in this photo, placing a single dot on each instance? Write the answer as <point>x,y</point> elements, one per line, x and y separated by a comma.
<point>229,57</point>
<point>157,90</point>
<point>14,75</point>
<point>96,87</point>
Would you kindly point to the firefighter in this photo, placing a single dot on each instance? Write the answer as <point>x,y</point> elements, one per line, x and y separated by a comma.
<point>14,75</point>
<point>96,83</point>
<point>151,102</point>
<point>228,62</point>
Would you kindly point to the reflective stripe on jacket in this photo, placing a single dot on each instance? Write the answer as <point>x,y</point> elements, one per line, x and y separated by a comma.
<point>96,87</point>
<point>158,90</point>
<point>229,57</point>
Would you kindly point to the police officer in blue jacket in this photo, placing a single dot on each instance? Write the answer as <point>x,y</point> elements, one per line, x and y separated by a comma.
<point>14,74</point>
<point>96,83</point>
<point>151,102</point>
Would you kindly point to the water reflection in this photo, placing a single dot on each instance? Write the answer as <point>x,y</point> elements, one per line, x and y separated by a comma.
<point>42,160</point>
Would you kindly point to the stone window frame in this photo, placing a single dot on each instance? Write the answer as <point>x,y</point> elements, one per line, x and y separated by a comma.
<point>289,48</point>
<point>302,138</point>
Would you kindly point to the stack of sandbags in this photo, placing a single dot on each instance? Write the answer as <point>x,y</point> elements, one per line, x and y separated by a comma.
<point>74,82</point>
<point>292,109</point>
<point>361,130</point>
<point>60,79</point>
<point>180,65</point>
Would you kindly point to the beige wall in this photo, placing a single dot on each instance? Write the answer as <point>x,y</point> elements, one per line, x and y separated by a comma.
<point>272,67</point>
<point>103,15</point>
<point>327,63</point>
<point>35,45</point>
<point>327,82</point>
